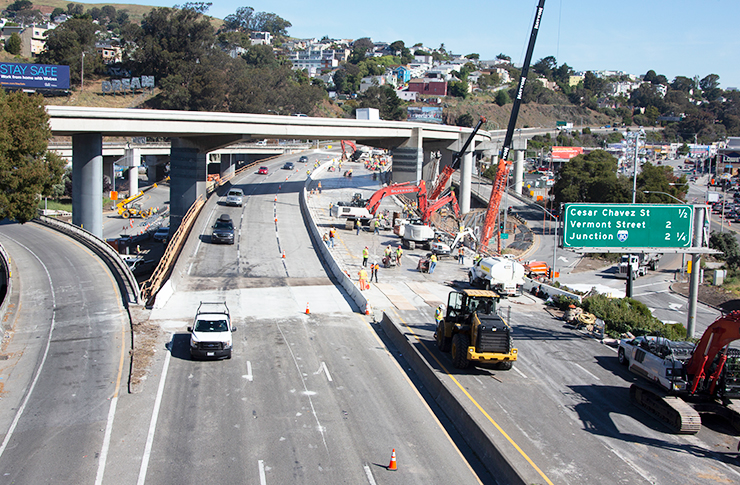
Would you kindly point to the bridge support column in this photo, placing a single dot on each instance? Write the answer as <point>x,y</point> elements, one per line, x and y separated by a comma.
<point>87,182</point>
<point>133,156</point>
<point>187,178</point>
<point>152,177</point>
<point>109,170</point>
<point>408,159</point>
<point>518,171</point>
<point>227,164</point>
<point>466,175</point>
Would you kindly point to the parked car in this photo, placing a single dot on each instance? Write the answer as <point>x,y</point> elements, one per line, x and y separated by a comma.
<point>303,159</point>
<point>288,166</point>
<point>223,230</point>
<point>162,233</point>
<point>262,171</point>
<point>235,197</point>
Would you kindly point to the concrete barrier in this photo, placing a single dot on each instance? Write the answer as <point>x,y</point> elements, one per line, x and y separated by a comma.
<point>124,276</point>
<point>343,278</point>
<point>550,290</point>
<point>491,457</point>
<point>6,280</point>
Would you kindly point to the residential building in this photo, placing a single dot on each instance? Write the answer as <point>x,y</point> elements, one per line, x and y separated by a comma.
<point>623,88</point>
<point>408,96</point>
<point>430,86</point>
<point>260,38</point>
<point>108,52</point>
<point>575,79</point>
<point>33,40</point>
<point>402,74</point>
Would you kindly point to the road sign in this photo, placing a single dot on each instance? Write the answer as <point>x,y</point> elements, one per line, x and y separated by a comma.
<point>504,235</point>
<point>628,225</point>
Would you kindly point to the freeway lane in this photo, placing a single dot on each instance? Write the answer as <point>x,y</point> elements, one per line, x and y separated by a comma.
<point>306,398</point>
<point>65,359</point>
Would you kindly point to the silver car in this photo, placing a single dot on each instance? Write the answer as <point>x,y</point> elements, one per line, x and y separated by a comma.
<point>235,197</point>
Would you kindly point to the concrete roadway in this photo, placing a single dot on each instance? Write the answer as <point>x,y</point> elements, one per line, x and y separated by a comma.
<point>562,414</point>
<point>63,359</point>
<point>306,398</point>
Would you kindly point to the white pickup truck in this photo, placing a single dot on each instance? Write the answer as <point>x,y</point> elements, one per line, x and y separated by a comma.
<point>210,335</point>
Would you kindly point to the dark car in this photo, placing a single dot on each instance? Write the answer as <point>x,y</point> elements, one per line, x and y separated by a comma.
<point>288,166</point>
<point>223,230</point>
<point>303,159</point>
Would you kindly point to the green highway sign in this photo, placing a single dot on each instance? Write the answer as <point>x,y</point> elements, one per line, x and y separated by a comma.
<point>627,226</point>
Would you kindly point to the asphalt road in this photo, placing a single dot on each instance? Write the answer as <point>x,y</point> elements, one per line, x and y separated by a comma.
<point>306,398</point>
<point>65,352</point>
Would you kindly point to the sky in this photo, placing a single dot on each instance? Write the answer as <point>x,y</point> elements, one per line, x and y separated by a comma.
<point>671,37</point>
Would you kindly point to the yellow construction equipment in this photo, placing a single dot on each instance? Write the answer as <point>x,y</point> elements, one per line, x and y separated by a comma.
<point>134,210</point>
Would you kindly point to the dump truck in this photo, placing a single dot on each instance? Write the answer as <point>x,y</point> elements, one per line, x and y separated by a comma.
<point>210,335</point>
<point>639,264</point>
<point>474,332</point>
<point>501,274</point>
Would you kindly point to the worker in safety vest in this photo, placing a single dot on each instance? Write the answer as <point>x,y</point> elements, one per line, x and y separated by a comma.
<point>363,279</point>
<point>377,226</point>
<point>439,313</point>
<point>365,254</point>
<point>399,253</point>
<point>432,263</point>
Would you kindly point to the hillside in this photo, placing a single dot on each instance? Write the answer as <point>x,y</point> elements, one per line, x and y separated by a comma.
<point>136,12</point>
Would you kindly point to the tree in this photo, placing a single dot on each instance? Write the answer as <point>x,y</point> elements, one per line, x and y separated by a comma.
<point>590,178</point>
<point>683,83</point>
<point>363,43</point>
<point>649,76</point>
<point>260,56</point>
<point>13,44</point>
<point>75,9</point>
<point>502,97</point>
<point>27,169</point>
<point>241,20</point>
<point>594,84</point>
<point>269,22</point>
<point>474,56</point>
<point>384,99</point>
<point>57,12</point>
<point>66,43</point>
<point>20,5</point>
<point>458,89</point>
<point>545,66</point>
<point>465,119</point>
<point>709,82</point>
<point>503,57</point>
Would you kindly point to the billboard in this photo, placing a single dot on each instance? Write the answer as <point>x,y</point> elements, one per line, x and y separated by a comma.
<point>33,76</point>
<point>566,153</point>
<point>425,114</point>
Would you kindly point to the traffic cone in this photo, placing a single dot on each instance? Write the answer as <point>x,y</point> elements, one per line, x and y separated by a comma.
<point>276,198</point>
<point>392,465</point>
<point>308,312</point>
<point>367,308</point>
<point>283,254</point>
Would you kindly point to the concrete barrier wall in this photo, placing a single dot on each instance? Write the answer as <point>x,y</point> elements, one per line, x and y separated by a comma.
<point>124,276</point>
<point>6,281</point>
<point>550,290</point>
<point>472,432</point>
<point>349,286</point>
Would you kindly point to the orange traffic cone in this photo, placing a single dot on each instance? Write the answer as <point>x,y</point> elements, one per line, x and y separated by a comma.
<point>276,198</point>
<point>367,308</point>
<point>308,312</point>
<point>392,465</point>
<point>283,254</point>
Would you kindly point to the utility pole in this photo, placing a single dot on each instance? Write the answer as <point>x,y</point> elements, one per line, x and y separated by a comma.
<point>82,72</point>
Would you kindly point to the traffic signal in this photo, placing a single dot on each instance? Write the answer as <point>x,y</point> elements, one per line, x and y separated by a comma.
<point>549,273</point>
<point>501,227</point>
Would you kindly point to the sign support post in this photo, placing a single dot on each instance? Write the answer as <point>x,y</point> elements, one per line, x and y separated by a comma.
<point>695,269</point>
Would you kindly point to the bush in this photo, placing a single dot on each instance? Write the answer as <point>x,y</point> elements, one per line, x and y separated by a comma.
<point>628,315</point>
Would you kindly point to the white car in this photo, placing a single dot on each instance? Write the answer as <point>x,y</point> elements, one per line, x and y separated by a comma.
<point>235,197</point>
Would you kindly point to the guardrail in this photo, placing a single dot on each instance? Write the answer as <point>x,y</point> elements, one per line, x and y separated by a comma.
<point>6,281</point>
<point>124,276</point>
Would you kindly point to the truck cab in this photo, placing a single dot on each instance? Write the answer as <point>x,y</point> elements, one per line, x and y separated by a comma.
<point>210,335</point>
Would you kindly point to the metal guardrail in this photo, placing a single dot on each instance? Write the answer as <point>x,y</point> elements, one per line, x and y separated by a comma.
<point>126,280</point>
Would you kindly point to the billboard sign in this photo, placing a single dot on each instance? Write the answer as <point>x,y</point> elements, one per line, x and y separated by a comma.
<point>628,226</point>
<point>425,114</point>
<point>33,76</point>
<point>566,153</point>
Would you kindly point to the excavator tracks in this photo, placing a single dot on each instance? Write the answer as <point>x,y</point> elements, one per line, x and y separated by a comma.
<point>671,410</point>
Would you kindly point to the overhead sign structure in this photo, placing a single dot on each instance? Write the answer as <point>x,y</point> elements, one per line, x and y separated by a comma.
<point>34,76</point>
<point>628,226</point>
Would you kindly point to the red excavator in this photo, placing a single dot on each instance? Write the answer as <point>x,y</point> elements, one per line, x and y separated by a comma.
<point>688,379</point>
<point>355,155</point>
<point>403,188</point>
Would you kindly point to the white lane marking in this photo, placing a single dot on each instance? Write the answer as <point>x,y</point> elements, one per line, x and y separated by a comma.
<point>261,466</point>
<point>519,372</point>
<point>249,375</point>
<point>326,370</point>
<point>612,349</point>
<point>22,407</point>
<point>200,239</point>
<point>155,415</point>
<point>675,306</point>
<point>106,441</point>
<point>587,372</point>
<point>369,475</point>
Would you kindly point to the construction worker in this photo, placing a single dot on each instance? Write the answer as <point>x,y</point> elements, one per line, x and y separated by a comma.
<point>332,236</point>
<point>377,226</point>
<point>461,255</point>
<point>319,187</point>
<point>331,207</point>
<point>326,239</point>
<point>399,253</point>
<point>439,313</point>
<point>432,263</point>
<point>365,254</point>
<point>363,279</point>
<point>374,271</point>
<point>358,226</point>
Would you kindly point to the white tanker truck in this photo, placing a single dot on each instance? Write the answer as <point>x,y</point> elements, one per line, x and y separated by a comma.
<point>501,274</point>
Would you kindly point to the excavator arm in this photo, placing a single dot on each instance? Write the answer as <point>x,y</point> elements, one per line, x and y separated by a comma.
<point>441,202</point>
<point>396,189</point>
<point>719,335</point>
<point>444,177</point>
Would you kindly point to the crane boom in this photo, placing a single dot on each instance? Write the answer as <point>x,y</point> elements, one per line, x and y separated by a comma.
<point>502,173</point>
<point>444,177</point>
